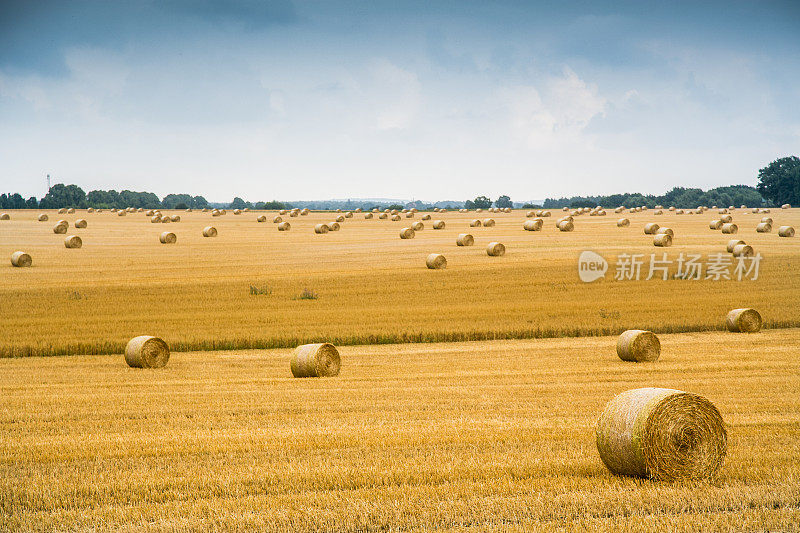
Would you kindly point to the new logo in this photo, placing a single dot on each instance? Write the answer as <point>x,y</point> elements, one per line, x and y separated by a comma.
<point>591,266</point>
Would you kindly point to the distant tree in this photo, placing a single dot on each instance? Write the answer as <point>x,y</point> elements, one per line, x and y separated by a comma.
<point>481,202</point>
<point>238,203</point>
<point>779,181</point>
<point>198,202</point>
<point>181,206</point>
<point>397,207</point>
<point>270,206</point>
<point>469,204</point>
<point>31,203</point>
<point>503,202</point>
<point>61,195</point>
<point>531,206</point>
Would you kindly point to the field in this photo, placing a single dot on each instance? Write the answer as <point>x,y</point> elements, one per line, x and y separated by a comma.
<point>370,286</point>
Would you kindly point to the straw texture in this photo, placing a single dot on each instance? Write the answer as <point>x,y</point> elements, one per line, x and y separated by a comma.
<point>315,361</point>
<point>744,320</point>
<point>146,352</point>
<point>436,261</point>
<point>639,346</point>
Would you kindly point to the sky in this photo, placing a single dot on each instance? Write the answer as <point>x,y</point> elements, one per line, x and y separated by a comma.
<point>419,100</point>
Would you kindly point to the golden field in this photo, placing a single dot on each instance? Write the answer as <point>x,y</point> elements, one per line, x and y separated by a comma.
<point>371,286</point>
<point>478,436</point>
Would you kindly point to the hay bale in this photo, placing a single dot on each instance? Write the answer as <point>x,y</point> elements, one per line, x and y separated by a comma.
<point>475,223</point>
<point>304,212</point>
<point>488,222</point>
<point>5,216</point>
<point>284,226</point>
<point>662,239</point>
<point>729,229</point>
<point>545,213</point>
<point>530,214</point>
<point>209,231</point>
<point>726,219</point>
<point>767,220</point>
<point>71,211</point>
<point>663,434</point>
<point>80,223</point>
<point>43,218</point>
<point>121,213</point>
<point>340,218</point>
<point>73,241</point>
<point>715,224</point>
<point>406,233</point>
<point>61,227</point>
<point>166,220</point>
<point>367,216</point>
<point>316,361</point>
<point>333,226</point>
<point>418,226</point>
<point>146,352</point>
<point>786,206</point>
<point>262,218</point>
<point>465,239</point>
<point>276,220</point>
<point>732,244</point>
<point>742,250</point>
<point>395,218</point>
<point>426,217</point>
<point>321,228</point>
<point>764,227</point>
<point>294,213</point>
<point>566,225</point>
<point>215,213</point>
<point>383,216</point>
<point>679,211</point>
<point>651,228</point>
<point>410,214</point>
<point>21,259</point>
<point>657,212</point>
<point>175,218</point>
<point>743,320</point>
<point>623,223</point>
<point>156,219</point>
<point>665,231</point>
<point>638,345</point>
<point>786,231</point>
<point>282,212</point>
<point>168,238</point>
<point>480,210</point>
<point>62,211</point>
<point>349,214</point>
<point>495,249</point>
<point>533,225</point>
<point>436,262</point>
<point>237,211</point>
<point>438,224</point>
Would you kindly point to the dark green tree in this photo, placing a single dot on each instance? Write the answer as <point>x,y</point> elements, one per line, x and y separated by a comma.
<point>61,195</point>
<point>503,202</point>
<point>481,202</point>
<point>779,181</point>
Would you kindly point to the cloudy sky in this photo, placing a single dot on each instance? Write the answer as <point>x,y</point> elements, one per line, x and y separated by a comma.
<point>425,100</point>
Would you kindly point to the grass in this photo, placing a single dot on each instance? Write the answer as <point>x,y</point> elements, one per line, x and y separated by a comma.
<point>479,436</point>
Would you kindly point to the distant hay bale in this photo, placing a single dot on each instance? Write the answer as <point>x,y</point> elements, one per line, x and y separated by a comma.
<point>436,262</point>
<point>367,216</point>
<point>284,226</point>
<point>651,228</point>
<point>155,219</point>
<point>732,244</point>
<point>671,208</point>
<point>175,218</point>
<point>662,434</point>
<point>786,231</point>
<point>395,217</point>
<point>71,211</point>
<point>656,212</point>
<point>121,213</point>
<point>410,214</point>
<point>786,206</point>
<point>623,223</point>
<point>149,213</point>
<point>726,219</point>
<point>479,210</point>
<point>662,239</point>
<point>506,210</point>
<point>495,249</point>
<point>418,226</point>
<point>304,212</point>
<point>339,210</point>
<point>349,214</point>
<point>742,250</point>
<point>768,220</point>
<point>638,345</point>
<point>533,225</point>
<point>530,214</point>
<point>204,210</point>
<point>383,216</point>
<point>406,233</point>
<point>745,320</point>
<point>394,211</point>
<point>166,219</point>
<point>43,218</point>
<point>438,224</point>
<point>276,220</point>
<point>321,228</point>
<point>168,238</point>
<point>282,212</point>
<point>566,225</point>
<point>5,216</point>
<point>209,231</point>
<point>62,211</point>
<point>334,226</point>
<point>358,210</point>
<point>545,213</point>
<point>73,241</point>
<point>237,211</point>
<point>21,259</point>
<point>426,217</point>
<point>216,213</point>
<point>488,222</point>
<point>340,218</point>
<point>665,231</point>
<point>294,213</point>
<point>61,227</point>
<point>565,208</point>
<point>715,224</point>
<point>465,239</point>
<point>263,218</point>
<point>764,227</point>
<point>729,229</point>
<point>80,223</point>
<point>316,361</point>
<point>189,210</point>
<point>146,352</point>
<point>679,211</point>
<point>475,223</point>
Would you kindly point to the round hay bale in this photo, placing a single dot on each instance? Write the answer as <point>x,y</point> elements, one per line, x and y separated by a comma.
<point>294,213</point>
<point>215,213</point>
<point>71,211</point>
<point>333,226</point>
<point>339,210</point>
<point>545,213</point>
<point>383,216</point>
<point>80,223</point>
<point>282,212</point>
<point>21,259</point>
<point>665,231</point>
<point>786,231</point>
<point>321,228</point>
<point>465,239</point>
<point>530,214</point>
<point>394,211</point>
<point>209,231</point>
<point>436,262</point>
<point>764,227</point>
<point>367,216</point>
<point>149,213</point>
<point>426,216</point>
<point>533,225</point>
<point>349,214</point>
<point>410,214</point>
<point>237,211</point>
<point>146,352</point>
<point>175,218</point>
<point>121,213</point>
<point>304,212</point>
<point>488,222</point>
<point>623,223</point>
<point>743,320</point>
<point>61,227</point>
<point>495,249</point>
<point>566,225</point>
<point>732,244</point>
<point>651,228</point>
<point>276,220</point>
<point>406,233</point>
<point>5,216</point>
<point>73,241</point>
<point>340,218</point>
<point>166,220</point>
<point>43,218</point>
<point>679,211</point>
<point>786,206</point>
<point>767,220</point>
<point>62,211</point>
<point>316,361</point>
<point>438,224</point>
<point>395,218</point>
<point>639,346</point>
<point>155,219</point>
<point>480,210</point>
<point>475,223</point>
<point>715,224</point>
<point>726,219</point>
<point>284,226</point>
<point>663,434</point>
<point>742,250</point>
<point>262,218</point>
<point>418,226</point>
<point>729,229</point>
<point>657,212</point>
<point>662,239</point>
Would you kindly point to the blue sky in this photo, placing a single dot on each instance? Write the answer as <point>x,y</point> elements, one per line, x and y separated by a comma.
<point>426,100</point>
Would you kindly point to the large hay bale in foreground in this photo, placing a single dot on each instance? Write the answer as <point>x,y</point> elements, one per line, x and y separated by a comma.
<point>764,227</point>
<point>465,239</point>
<point>436,261</point>
<point>662,239</point>
<point>80,223</point>
<point>742,250</point>
<point>406,233</point>
<point>651,228</point>
<point>732,244</point>
<point>663,434</point>
<point>61,227</point>
<point>533,225</point>
<point>73,241</point>
<point>495,249</point>
<point>21,259</point>
<point>786,231</point>
<point>146,352</point>
<point>43,218</point>
<point>321,228</point>
<point>316,361</point>
<point>438,224</point>
<point>168,238</point>
<point>284,226</point>
<point>209,231</point>
<point>729,229</point>
<point>623,223</point>
<point>744,320</point>
<point>638,345</point>
<point>488,222</point>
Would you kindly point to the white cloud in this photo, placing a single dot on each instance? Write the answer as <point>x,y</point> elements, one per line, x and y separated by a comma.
<point>396,94</point>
